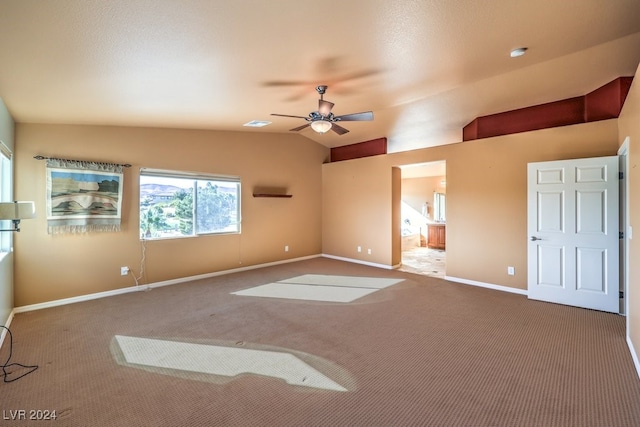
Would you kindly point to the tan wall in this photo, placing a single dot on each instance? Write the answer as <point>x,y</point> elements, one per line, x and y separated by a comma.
<point>417,191</point>
<point>53,267</point>
<point>629,126</point>
<point>357,209</point>
<point>396,216</point>
<point>486,198</point>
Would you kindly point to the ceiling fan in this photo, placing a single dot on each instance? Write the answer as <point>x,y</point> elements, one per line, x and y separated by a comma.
<point>324,120</point>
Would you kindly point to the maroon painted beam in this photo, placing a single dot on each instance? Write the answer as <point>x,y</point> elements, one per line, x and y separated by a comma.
<point>603,103</point>
<point>373,147</point>
<point>606,102</point>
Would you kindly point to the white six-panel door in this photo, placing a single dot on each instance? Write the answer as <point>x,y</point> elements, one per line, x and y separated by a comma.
<point>573,232</point>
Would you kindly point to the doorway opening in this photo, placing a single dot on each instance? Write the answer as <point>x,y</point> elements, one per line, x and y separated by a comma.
<point>423,218</point>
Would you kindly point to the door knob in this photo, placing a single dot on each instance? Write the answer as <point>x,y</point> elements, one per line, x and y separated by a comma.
<point>534,238</point>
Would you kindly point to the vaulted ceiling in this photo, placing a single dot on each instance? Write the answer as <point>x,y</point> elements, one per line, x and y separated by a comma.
<point>425,68</point>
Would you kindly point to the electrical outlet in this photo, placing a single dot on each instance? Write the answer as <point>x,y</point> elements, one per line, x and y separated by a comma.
<point>124,271</point>
<point>286,248</point>
<point>511,271</point>
<point>359,248</point>
<point>369,251</point>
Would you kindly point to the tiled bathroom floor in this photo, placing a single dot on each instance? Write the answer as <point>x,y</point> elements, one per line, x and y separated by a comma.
<point>422,260</point>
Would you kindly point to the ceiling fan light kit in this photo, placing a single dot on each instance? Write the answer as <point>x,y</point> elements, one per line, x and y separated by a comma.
<point>321,126</point>
<point>323,120</point>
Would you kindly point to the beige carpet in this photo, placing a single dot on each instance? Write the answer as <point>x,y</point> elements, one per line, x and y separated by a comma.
<point>421,352</point>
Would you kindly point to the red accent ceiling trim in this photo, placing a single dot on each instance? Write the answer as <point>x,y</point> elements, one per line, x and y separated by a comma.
<point>373,147</point>
<point>603,103</point>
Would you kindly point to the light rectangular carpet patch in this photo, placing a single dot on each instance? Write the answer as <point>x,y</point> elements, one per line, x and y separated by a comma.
<point>317,287</point>
<point>347,281</point>
<point>225,361</point>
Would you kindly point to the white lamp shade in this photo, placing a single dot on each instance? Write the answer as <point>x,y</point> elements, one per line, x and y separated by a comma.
<point>17,210</point>
<point>321,126</point>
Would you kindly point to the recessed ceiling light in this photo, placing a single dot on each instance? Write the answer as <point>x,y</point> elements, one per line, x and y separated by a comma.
<point>518,52</point>
<point>257,123</point>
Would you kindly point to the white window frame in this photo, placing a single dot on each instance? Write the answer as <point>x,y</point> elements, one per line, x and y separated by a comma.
<point>439,207</point>
<point>6,195</point>
<point>195,177</point>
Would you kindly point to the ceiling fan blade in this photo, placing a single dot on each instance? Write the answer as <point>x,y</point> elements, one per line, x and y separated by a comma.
<point>286,115</point>
<point>356,117</point>
<point>338,129</point>
<point>357,75</point>
<point>300,127</point>
<point>324,107</point>
<point>296,96</point>
<point>278,83</point>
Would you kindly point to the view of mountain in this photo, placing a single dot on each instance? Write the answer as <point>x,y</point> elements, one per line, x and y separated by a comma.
<point>151,189</point>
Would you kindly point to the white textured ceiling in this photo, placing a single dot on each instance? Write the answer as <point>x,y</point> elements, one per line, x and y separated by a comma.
<point>425,68</point>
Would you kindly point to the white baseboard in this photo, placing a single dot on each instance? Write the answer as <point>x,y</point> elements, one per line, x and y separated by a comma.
<point>358,261</point>
<point>486,285</point>
<point>634,355</point>
<point>88,297</point>
<point>449,278</point>
<point>3,333</point>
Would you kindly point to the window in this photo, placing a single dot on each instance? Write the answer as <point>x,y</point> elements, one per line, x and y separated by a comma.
<point>179,204</point>
<point>439,207</point>
<point>6,185</point>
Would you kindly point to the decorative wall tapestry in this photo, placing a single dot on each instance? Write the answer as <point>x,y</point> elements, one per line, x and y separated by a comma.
<point>83,196</point>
